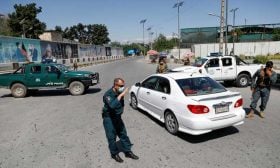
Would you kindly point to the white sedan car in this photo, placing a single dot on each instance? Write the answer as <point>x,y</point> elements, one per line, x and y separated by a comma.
<point>188,102</point>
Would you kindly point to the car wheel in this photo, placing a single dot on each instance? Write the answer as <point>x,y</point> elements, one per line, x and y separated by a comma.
<point>76,88</point>
<point>171,123</point>
<point>134,101</point>
<point>18,90</point>
<point>242,80</point>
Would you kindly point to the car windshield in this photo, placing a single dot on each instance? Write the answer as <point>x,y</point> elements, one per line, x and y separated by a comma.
<point>199,62</point>
<point>62,67</point>
<point>199,86</point>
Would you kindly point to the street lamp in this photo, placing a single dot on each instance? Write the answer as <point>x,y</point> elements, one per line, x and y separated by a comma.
<point>143,22</point>
<point>178,5</point>
<point>23,31</point>
<point>233,24</point>
<point>149,33</point>
<point>221,32</point>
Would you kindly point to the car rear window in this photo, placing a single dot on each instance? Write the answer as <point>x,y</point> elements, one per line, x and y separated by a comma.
<point>199,86</point>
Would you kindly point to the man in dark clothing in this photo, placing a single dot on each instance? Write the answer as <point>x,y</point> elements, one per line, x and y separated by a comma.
<point>113,124</point>
<point>261,83</point>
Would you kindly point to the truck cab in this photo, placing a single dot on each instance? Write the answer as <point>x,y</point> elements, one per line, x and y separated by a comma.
<point>224,68</point>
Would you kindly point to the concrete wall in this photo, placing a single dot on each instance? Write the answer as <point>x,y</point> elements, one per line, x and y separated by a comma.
<point>247,49</point>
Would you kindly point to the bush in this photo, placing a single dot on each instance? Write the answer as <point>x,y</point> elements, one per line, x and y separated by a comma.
<point>260,59</point>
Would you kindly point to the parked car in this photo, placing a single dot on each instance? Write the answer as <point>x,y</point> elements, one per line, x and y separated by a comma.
<point>230,69</point>
<point>35,76</point>
<point>188,102</point>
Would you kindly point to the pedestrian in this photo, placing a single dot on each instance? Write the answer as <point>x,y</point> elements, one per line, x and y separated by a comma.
<point>261,86</point>
<point>162,66</point>
<point>75,65</point>
<point>113,124</point>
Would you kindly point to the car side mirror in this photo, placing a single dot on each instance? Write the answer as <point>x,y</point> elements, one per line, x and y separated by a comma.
<point>138,84</point>
<point>206,66</point>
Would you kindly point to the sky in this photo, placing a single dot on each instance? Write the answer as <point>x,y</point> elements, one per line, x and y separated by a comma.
<point>122,17</point>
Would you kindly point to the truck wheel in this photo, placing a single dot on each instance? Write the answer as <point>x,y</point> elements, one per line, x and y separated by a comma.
<point>76,88</point>
<point>242,80</point>
<point>18,90</point>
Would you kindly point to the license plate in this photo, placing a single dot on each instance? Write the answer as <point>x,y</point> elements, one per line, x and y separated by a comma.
<point>221,109</point>
<point>94,81</point>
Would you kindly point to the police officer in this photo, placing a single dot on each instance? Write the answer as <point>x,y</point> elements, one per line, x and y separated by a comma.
<point>113,124</point>
<point>261,85</point>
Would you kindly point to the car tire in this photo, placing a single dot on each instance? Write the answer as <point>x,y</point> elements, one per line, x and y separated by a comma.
<point>171,123</point>
<point>18,90</point>
<point>134,102</point>
<point>242,80</point>
<point>76,88</point>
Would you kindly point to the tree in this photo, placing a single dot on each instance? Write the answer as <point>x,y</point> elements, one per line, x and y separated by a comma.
<point>115,44</point>
<point>24,21</point>
<point>4,27</point>
<point>58,29</point>
<point>99,34</point>
<point>276,34</point>
<point>162,44</point>
<point>88,34</point>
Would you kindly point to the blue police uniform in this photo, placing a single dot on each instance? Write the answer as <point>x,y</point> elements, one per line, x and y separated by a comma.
<point>113,123</point>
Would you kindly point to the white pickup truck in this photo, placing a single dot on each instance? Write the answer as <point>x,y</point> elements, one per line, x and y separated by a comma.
<point>223,68</point>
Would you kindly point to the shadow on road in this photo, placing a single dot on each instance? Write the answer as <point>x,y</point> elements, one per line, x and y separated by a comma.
<point>63,92</point>
<point>208,136</point>
<point>197,138</point>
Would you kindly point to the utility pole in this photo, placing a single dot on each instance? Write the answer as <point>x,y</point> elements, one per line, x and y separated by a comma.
<point>233,26</point>
<point>143,22</point>
<point>178,5</point>
<point>222,20</point>
<point>226,40</point>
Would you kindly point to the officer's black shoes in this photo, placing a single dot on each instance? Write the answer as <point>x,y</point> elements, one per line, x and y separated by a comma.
<point>131,155</point>
<point>117,158</point>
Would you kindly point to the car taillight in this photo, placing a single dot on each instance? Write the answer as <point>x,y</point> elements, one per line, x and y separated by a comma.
<point>198,109</point>
<point>238,103</point>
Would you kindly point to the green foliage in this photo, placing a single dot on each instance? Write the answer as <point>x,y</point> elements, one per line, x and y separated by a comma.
<point>162,44</point>
<point>4,27</point>
<point>276,34</point>
<point>259,59</point>
<point>88,34</point>
<point>24,21</point>
<point>115,44</point>
<point>58,29</point>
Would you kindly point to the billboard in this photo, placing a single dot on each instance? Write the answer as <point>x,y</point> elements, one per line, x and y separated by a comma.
<point>19,50</point>
<point>54,50</point>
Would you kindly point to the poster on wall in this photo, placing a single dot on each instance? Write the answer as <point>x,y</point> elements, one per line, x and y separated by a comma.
<point>19,50</point>
<point>87,51</point>
<point>54,50</point>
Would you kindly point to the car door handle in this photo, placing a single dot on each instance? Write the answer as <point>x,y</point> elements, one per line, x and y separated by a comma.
<point>163,98</point>
<point>218,69</point>
<point>148,93</point>
<point>230,68</point>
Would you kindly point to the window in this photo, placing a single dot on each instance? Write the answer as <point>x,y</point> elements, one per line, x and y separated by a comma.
<point>150,83</point>
<point>21,70</point>
<point>213,62</point>
<point>199,86</point>
<point>51,69</point>
<point>36,69</point>
<point>163,85</point>
<point>227,61</point>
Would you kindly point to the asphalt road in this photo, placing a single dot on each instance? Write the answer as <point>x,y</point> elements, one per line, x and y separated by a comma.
<point>54,129</point>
